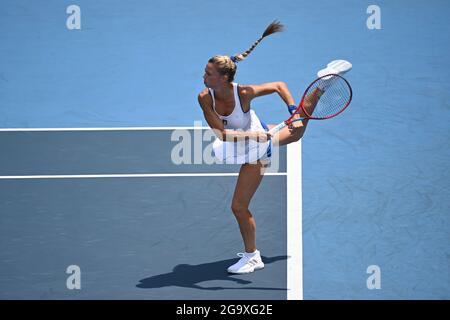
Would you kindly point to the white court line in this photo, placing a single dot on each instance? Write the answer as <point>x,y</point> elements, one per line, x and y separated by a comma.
<point>294,222</point>
<point>102,129</point>
<point>148,175</point>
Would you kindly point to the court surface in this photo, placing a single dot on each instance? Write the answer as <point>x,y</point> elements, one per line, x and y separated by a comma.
<point>130,226</point>
<point>374,182</point>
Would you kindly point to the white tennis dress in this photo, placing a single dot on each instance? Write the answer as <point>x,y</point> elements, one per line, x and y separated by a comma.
<point>246,151</point>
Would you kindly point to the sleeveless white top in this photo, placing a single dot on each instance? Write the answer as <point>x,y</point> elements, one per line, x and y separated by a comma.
<point>238,119</point>
<point>243,151</point>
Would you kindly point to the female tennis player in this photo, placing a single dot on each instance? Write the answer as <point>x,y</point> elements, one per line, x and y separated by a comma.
<point>226,108</point>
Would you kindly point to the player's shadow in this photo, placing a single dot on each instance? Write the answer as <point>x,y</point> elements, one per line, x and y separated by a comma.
<point>189,276</point>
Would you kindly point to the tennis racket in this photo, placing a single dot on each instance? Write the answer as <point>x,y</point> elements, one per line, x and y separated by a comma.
<point>325,98</point>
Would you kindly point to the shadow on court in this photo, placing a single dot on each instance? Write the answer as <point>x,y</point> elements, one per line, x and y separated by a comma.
<point>188,276</point>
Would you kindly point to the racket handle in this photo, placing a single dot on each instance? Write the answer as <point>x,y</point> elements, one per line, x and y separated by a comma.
<point>277,128</point>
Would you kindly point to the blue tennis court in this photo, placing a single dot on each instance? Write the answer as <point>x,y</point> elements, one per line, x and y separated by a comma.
<point>91,94</point>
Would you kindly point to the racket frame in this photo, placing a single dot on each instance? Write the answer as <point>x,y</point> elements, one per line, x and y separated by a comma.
<point>300,106</point>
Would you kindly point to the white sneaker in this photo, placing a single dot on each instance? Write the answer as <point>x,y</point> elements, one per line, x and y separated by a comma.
<point>249,262</point>
<point>336,67</point>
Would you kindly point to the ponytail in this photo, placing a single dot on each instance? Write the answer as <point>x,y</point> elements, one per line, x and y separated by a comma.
<point>227,65</point>
<point>275,26</point>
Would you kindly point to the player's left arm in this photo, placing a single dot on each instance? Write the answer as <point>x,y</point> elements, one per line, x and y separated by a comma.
<point>252,91</point>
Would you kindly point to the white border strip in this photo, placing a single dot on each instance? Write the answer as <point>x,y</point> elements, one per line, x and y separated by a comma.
<point>102,129</point>
<point>149,175</point>
<point>294,222</point>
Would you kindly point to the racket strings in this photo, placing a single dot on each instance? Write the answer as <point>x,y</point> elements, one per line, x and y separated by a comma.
<point>334,95</point>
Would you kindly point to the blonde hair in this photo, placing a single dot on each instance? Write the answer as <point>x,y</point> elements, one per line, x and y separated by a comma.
<point>227,65</point>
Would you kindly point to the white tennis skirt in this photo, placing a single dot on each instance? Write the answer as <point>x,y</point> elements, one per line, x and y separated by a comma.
<point>245,151</point>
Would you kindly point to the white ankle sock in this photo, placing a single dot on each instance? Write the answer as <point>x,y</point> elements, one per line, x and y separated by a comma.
<point>251,254</point>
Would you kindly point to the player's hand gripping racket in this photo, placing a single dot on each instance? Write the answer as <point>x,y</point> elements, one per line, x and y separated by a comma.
<point>325,98</point>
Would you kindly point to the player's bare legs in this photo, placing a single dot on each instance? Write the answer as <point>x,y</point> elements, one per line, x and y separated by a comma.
<point>250,177</point>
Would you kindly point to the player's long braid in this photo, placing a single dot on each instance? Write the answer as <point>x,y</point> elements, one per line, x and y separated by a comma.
<point>227,65</point>
<point>275,26</point>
